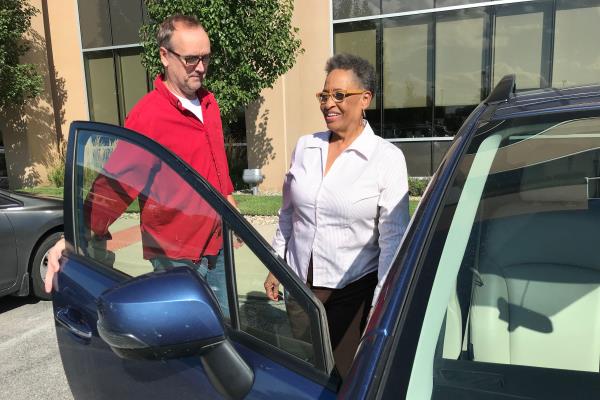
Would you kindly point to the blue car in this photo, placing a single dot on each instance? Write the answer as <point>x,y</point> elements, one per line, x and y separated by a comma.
<point>494,292</point>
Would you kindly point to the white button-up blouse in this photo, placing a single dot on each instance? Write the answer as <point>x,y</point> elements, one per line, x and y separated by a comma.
<point>352,219</point>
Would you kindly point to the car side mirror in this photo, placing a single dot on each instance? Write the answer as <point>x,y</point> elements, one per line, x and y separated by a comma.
<point>168,315</point>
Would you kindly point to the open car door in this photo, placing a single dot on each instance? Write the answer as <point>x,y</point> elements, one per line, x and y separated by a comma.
<point>126,331</point>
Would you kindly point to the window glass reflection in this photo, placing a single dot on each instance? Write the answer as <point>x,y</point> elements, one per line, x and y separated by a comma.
<point>447,3</point>
<point>358,39</point>
<point>459,64</point>
<point>94,21</point>
<point>576,56</point>
<point>285,323</point>
<point>406,77</point>
<point>101,86</point>
<point>459,59</point>
<point>392,6</point>
<point>125,19</point>
<point>136,214</point>
<point>354,8</point>
<point>519,45</point>
<point>113,89</point>
<point>134,83</point>
<point>418,157</point>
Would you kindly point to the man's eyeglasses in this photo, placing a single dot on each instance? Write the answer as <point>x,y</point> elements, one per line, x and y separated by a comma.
<point>191,61</point>
<point>337,95</point>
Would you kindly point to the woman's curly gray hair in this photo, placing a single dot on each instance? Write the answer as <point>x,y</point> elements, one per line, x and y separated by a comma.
<point>363,69</point>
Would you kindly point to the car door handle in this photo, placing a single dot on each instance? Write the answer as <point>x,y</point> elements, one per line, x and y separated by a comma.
<point>76,328</point>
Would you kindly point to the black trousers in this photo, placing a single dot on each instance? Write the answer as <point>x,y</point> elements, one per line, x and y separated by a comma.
<point>347,310</point>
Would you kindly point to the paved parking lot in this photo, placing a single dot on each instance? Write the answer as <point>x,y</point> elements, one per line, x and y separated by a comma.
<point>30,366</point>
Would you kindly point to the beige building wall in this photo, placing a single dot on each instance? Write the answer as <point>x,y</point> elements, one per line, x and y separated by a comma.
<point>32,134</point>
<point>290,110</point>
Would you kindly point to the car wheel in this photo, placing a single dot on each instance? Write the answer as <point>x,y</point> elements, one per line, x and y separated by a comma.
<point>39,266</point>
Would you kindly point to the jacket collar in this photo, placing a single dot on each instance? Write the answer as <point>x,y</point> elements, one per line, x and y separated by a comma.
<point>364,144</point>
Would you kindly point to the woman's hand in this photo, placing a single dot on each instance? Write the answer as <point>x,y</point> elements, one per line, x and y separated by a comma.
<point>272,287</point>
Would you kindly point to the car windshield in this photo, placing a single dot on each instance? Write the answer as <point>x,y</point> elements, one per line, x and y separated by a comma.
<point>517,280</point>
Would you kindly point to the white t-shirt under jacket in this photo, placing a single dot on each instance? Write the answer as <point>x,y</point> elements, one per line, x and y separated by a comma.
<point>352,219</point>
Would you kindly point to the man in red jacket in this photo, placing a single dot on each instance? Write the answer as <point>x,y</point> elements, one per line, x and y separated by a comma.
<point>184,117</point>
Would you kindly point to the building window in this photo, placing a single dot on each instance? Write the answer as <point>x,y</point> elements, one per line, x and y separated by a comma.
<point>448,3</point>
<point>407,76</point>
<point>107,23</point>
<point>393,6</point>
<point>459,58</point>
<point>355,8</point>
<point>94,21</point>
<point>576,53</point>
<point>522,44</point>
<point>361,39</point>
<point>101,87</point>
<point>115,77</point>
<point>126,18</point>
<point>116,80</point>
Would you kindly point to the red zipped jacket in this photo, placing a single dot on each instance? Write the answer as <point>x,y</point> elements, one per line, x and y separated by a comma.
<point>175,222</point>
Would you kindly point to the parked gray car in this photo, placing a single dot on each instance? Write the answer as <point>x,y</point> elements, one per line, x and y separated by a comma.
<point>29,226</point>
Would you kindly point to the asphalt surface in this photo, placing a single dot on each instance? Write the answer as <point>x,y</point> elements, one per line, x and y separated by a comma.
<point>30,365</point>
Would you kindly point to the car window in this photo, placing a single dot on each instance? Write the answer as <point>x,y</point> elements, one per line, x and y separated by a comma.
<point>134,211</point>
<point>136,214</point>
<point>514,309</point>
<point>284,324</point>
<point>6,202</point>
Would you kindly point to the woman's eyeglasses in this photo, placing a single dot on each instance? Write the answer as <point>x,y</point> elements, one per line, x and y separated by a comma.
<point>191,61</point>
<point>337,95</point>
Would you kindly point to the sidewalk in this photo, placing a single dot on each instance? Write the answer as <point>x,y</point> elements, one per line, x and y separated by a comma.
<point>127,247</point>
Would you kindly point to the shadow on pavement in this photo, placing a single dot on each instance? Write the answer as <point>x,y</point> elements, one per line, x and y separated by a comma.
<point>9,303</point>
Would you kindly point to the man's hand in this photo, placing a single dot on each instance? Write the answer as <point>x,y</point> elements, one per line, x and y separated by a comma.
<point>54,256</point>
<point>272,287</point>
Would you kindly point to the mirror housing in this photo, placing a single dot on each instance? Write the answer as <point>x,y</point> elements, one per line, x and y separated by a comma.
<point>160,316</point>
<point>173,314</point>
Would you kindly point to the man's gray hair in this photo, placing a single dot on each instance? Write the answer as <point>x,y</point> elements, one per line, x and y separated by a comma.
<point>363,69</point>
<point>167,27</point>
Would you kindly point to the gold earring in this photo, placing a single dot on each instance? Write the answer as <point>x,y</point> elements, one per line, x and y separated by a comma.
<point>364,114</point>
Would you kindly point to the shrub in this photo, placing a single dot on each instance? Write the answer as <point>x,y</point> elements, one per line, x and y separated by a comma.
<point>416,186</point>
<point>57,175</point>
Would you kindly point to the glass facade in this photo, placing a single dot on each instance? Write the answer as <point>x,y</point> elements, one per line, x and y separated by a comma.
<point>435,64</point>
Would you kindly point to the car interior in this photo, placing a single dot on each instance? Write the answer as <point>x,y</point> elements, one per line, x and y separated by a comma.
<point>527,291</point>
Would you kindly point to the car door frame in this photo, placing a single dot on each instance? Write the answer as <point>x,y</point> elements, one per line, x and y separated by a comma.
<point>321,372</point>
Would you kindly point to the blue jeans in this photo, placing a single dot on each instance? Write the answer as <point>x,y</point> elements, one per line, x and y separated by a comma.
<point>215,277</point>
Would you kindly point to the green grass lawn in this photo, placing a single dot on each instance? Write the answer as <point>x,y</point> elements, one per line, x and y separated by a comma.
<point>412,206</point>
<point>258,205</point>
<point>49,191</point>
<point>248,204</point>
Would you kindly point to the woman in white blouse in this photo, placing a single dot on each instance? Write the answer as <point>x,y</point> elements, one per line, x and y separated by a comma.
<point>345,207</point>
